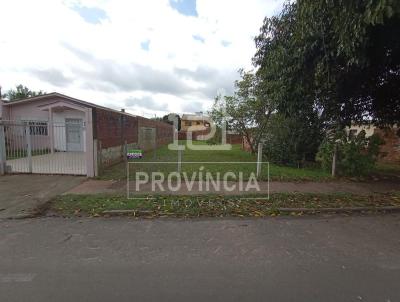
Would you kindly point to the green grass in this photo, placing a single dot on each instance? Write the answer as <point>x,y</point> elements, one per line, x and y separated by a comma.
<point>244,162</point>
<point>213,205</point>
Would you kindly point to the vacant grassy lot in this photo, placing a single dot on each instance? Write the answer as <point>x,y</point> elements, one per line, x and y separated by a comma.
<point>235,160</point>
<point>213,205</point>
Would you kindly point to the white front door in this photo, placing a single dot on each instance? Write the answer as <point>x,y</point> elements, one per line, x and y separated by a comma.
<point>74,137</point>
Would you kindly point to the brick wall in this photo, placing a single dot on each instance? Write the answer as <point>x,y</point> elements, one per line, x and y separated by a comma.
<point>390,150</point>
<point>182,135</point>
<point>234,139</point>
<point>113,128</point>
<point>230,138</point>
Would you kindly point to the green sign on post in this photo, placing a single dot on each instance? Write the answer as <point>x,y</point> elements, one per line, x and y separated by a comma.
<point>135,153</point>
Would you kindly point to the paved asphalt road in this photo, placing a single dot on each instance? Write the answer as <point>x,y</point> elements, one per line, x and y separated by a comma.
<point>277,259</point>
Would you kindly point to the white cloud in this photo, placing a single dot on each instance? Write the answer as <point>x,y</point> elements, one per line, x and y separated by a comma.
<point>48,45</point>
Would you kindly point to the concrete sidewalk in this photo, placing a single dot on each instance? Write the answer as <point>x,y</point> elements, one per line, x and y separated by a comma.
<point>360,188</point>
<point>21,195</point>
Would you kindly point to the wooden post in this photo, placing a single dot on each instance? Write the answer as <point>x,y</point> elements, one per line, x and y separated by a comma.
<point>334,160</point>
<point>259,159</point>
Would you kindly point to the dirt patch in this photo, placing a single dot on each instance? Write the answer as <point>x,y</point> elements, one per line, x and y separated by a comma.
<point>24,195</point>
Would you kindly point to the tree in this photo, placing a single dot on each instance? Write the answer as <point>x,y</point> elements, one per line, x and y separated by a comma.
<point>21,92</point>
<point>247,111</point>
<point>339,58</point>
<point>292,141</point>
<point>165,118</point>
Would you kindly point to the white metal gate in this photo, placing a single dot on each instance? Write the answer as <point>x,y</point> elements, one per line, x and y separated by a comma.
<point>38,147</point>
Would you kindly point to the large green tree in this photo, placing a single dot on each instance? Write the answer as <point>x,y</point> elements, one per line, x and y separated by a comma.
<point>337,58</point>
<point>21,92</point>
<point>292,141</point>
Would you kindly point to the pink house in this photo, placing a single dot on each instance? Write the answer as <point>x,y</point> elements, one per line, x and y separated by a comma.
<point>58,134</point>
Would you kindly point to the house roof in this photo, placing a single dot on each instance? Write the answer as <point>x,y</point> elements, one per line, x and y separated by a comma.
<point>63,97</point>
<point>195,117</point>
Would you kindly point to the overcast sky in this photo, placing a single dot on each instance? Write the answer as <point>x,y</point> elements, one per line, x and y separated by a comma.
<point>148,56</point>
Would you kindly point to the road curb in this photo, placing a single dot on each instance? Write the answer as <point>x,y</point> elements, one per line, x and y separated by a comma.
<point>279,210</point>
<point>340,210</point>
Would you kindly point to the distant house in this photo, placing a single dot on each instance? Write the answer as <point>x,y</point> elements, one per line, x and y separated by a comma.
<point>58,134</point>
<point>194,122</point>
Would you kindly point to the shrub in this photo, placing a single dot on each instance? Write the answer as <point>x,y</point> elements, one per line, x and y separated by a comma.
<point>356,155</point>
<point>291,141</point>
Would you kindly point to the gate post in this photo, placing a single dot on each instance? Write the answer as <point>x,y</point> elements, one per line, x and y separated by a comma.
<point>3,156</point>
<point>90,165</point>
<point>28,146</point>
<point>51,130</point>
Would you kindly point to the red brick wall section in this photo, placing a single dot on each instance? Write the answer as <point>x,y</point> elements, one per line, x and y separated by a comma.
<point>182,135</point>
<point>113,128</point>
<point>390,150</point>
<point>234,139</point>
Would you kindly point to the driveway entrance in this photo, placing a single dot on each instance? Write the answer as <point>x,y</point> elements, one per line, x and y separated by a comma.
<point>21,195</point>
<point>73,163</point>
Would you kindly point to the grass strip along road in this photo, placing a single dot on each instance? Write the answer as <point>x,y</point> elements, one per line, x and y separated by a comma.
<point>216,206</point>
